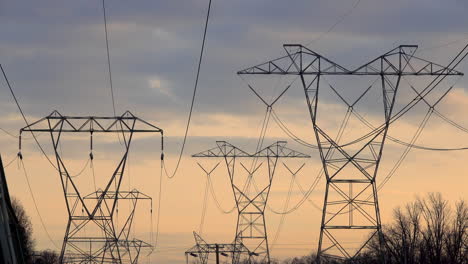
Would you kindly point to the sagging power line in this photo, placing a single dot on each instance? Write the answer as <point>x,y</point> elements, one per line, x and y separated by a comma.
<point>351,168</point>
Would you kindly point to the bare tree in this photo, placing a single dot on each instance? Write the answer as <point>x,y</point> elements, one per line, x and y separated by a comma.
<point>425,231</point>
<point>457,238</point>
<point>25,230</point>
<point>436,213</point>
<point>403,236</point>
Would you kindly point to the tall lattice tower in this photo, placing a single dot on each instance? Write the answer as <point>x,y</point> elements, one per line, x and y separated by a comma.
<point>92,233</point>
<point>351,214</point>
<point>251,190</point>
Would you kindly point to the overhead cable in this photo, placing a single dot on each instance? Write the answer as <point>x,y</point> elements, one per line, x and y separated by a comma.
<point>170,176</point>
<point>35,204</point>
<point>24,117</point>
<point>108,57</point>
<point>339,21</point>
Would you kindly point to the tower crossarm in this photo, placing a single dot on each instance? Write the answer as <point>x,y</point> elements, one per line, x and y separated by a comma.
<point>225,149</point>
<point>403,62</point>
<point>299,60</point>
<point>127,122</point>
<point>222,149</point>
<point>302,61</point>
<point>279,150</point>
<point>122,195</point>
<point>135,243</point>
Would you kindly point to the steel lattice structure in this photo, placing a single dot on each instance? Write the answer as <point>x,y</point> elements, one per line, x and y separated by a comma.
<point>202,250</point>
<point>351,173</point>
<point>128,247</point>
<point>96,210</point>
<point>251,200</point>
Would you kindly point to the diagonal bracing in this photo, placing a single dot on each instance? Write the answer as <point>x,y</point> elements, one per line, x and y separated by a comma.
<point>202,250</point>
<point>351,201</point>
<point>96,211</point>
<point>251,192</point>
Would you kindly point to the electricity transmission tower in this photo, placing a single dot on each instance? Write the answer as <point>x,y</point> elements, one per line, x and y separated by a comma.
<point>104,242</point>
<point>251,192</point>
<point>351,201</point>
<point>202,250</point>
<point>130,248</point>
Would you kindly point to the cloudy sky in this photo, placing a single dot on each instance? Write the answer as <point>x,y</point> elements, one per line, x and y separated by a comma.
<point>55,57</point>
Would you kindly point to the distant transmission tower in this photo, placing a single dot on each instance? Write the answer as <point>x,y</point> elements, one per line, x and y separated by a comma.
<point>104,242</point>
<point>251,193</point>
<point>202,250</point>
<point>351,201</point>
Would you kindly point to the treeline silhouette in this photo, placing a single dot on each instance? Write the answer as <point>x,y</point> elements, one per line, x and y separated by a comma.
<point>426,231</point>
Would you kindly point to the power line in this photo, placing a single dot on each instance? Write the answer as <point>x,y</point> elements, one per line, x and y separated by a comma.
<point>209,184</point>
<point>8,133</point>
<point>407,150</point>
<point>108,57</point>
<point>218,204</point>
<point>290,134</point>
<point>434,83</point>
<point>204,207</point>
<point>329,153</point>
<point>294,137</point>
<point>93,174</point>
<point>35,204</point>
<point>11,162</point>
<point>421,147</point>
<point>193,96</point>
<point>450,43</point>
<point>306,195</point>
<point>213,194</point>
<point>429,87</point>
<point>261,138</point>
<point>24,117</point>
<point>109,63</point>
<point>159,204</point>
<point>387,177</point>
<point>339,21</point>
<point>410,105</point>
<point>451,122</point>
<point>275,117</point>
<point>250,179</point>
<point>286,204</point>
<point>336,165</point>
<point>82,169</point>
<point>409,145</point>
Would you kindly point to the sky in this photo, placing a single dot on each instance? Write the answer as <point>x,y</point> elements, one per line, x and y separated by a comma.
<point>54,53</point>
